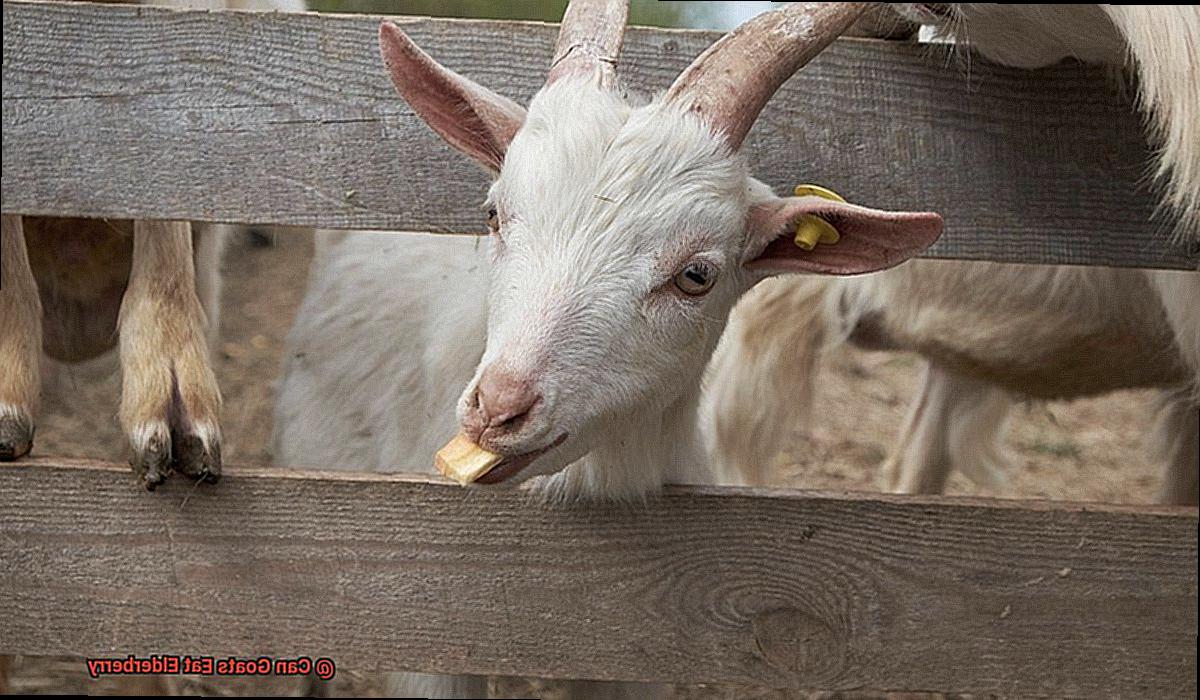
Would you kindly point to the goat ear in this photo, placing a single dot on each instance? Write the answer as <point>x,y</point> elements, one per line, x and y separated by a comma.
<point>468,116</point>
<point>869,239</point>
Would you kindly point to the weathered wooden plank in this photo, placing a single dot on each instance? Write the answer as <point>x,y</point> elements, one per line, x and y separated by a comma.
<point>785,589</point>
<point>121,111</point>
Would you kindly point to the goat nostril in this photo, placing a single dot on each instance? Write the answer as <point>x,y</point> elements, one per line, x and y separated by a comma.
<point>504,402</point>
<point>510,418</point>
<point>512,423</point>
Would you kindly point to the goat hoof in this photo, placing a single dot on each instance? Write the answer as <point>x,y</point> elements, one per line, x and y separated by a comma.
<point>159,451</point>
<point>195,459</point>
<point>152,462</point>
<point>16,435</point>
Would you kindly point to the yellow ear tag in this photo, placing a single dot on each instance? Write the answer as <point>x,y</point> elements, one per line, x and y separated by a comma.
<point>812,229</point>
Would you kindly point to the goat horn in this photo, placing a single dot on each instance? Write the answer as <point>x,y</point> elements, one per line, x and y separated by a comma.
<point>730,83</point>
<point>590,39</point>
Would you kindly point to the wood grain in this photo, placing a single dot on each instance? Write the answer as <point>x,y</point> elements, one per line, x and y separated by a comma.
<point>777,588</point>
<point>114,111</point>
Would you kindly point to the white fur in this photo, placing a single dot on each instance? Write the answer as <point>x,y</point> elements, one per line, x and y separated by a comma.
<point>149,433</point>
<point>1164,50</point>
<point>1045,332</point>
<point>1025,36</point>
<point>954,422</point>
<point>599,208</point>
<point>390,330</point>
<point>392,323</point>
<point>10,411</point>
<point>431,685</point>
<point>1179,292</point>
<point>1176,443</point>
<point>1159,43</point>
<point>392,326</point>
<point>601,203</point>
<point>208,244</point>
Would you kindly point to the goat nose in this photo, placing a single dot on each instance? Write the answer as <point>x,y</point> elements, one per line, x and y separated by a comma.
<point>503,397</point>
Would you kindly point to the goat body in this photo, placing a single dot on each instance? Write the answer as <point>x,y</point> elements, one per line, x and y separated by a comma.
<point>987,332</point>
<point>390,328</point>
<point>1160,44</point>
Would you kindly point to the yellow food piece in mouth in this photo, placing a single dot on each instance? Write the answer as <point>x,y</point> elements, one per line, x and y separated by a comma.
<point>464,461</point>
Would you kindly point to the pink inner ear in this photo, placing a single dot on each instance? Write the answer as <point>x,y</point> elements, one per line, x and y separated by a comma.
<point>871,239</point>
<point>468,116</point>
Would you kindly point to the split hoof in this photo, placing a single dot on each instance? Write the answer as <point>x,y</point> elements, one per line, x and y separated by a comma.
<point>163,451</point>
<point>16,435</point>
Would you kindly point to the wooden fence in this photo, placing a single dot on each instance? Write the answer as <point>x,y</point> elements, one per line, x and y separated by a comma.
<point>777,588</point>
<point>290,119</point>
<point>265,118</point>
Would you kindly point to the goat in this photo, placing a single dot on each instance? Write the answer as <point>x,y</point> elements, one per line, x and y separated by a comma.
<point>69,283</point>
<point>621,237</point>
<point>986,332</point>
<point>1161,45</point>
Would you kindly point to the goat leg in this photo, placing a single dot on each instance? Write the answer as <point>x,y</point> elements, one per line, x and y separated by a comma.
<point>20,342</point>
<point>170,402</point>
<point>208,243</point>
<point>1175,442</point>
<point>955,422</point>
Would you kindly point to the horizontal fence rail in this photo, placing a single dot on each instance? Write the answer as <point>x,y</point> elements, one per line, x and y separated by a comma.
<point>779,588</point>
<point>269,118</point>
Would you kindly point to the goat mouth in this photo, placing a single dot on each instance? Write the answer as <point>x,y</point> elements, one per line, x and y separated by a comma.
<point>512,465</point>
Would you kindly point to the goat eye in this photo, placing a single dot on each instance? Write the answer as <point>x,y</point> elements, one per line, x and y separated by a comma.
<point>493,220</point>
<point>695,278</point>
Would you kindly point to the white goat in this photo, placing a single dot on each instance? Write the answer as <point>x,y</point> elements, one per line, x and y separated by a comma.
<point>1161,46</point>
<point>622,236</point>
<point>987,333</point>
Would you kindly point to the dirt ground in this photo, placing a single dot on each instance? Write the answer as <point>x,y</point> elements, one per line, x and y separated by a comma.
<point>1086,451</point>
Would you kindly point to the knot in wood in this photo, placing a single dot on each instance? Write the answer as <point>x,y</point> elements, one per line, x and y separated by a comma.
<point>797,642</point>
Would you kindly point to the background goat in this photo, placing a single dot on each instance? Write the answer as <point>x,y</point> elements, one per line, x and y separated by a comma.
<point>989,334</point>
<point>91,276</point>
<point>1160,44</point>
